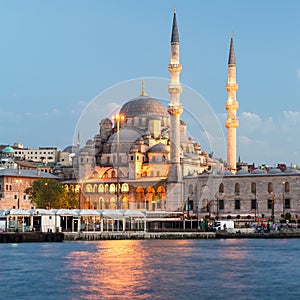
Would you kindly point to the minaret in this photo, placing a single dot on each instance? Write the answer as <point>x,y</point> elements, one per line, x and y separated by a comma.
<point>231,106</point>
<point>175,110</point>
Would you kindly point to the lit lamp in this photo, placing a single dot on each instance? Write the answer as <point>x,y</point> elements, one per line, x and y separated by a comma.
<point>273,205</point>
<point>283,200</point>
<point>18,181</point>
<point>118,118</point>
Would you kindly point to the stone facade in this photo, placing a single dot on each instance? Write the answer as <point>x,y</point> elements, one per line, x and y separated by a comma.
<point>245,194</point>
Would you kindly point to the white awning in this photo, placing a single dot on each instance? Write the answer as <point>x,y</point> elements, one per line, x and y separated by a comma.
<point>112,214</point>
<point>17,212</point>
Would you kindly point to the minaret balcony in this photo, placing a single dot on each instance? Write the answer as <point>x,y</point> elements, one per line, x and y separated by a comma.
<point>173,68</point>
<point>175,89</point>
<point>175,110</point>
<point>232,105</point>
<point>232,123</point>
<point>233,86</point>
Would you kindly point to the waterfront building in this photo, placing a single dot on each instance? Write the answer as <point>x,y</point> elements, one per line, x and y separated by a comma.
<point>265,195</point>
<point>14,182</point>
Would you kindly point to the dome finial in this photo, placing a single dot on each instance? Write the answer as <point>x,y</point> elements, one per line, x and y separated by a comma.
<point>174,10</point>
<point>143,93</point>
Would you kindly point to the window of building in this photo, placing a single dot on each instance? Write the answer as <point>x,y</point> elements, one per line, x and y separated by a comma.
<point>287,203</point>
<point>137,158</point>
<point>113,174</point>
<point>221,188</point>
<point>112,188</point>
<point>253,204</point>
<point>190,189</point>
<point>253,187</point>
<point>237,189</point>
<point>270,187</point>
<point>16,197</point>
<point>270,203</point>
<point>221,204</point>
<point>237,204</point>
<point>287,187</point>
<point>131,157</point>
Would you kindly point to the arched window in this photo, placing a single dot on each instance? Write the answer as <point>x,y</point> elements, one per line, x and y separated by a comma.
<point>221,188</point>
<point>95,188</point>
<point>253,187</point>
<point>139,194</point>
<point>112,203</point>
<point>113,174</point>
<point>106,188</point>
<point>88,188</point>
<point>237,188</point>
<point>101,203</point>
<point>125,188</point>
<point>125,204</point>
<point>270,187</point>
<point>287,187</point>
<point>100,188</point>
<point>112,188</point>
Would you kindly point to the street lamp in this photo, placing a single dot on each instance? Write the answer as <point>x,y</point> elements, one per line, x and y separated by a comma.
<point>117,119</point>
<point>273,205</point>
<point>18,181</point>
<point>283,200</point>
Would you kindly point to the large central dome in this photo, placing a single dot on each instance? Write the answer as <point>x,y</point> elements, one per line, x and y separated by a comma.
<point>143,105</point>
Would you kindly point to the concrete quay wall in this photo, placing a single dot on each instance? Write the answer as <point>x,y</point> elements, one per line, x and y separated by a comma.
<point>90,236</point>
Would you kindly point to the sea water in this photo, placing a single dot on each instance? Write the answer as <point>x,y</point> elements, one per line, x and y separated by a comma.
<point>152,269</point>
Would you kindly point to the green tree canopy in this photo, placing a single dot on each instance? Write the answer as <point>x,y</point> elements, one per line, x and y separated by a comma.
<point>49,193</point>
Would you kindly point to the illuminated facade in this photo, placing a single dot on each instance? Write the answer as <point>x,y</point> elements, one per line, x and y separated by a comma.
<point>139,158</point>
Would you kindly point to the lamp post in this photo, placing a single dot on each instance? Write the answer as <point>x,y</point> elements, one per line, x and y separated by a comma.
<point>273,206</point>
<point>118,118</point>
<point>18,181</point>
<point>283,200</point>
<point>47,195</point>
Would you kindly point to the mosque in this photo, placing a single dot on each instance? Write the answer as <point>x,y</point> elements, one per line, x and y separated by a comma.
<point>143,159</point>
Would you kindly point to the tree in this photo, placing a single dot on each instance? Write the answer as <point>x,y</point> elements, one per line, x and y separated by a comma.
<point>49,193</point>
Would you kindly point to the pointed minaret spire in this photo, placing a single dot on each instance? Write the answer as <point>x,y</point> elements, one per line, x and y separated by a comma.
<point>78,139</point>
<point>175,35</point>
<point>174,180</point>
<point>231,59</point>
<point>143,93</point>
<point>232,106</point>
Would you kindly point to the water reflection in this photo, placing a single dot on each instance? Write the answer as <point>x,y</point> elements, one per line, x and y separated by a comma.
<point>115,269</point>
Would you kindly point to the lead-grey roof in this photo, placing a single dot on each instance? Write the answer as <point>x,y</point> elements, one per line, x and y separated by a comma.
<point>26,173</point>
<point>231,59</point>
<point>143,106</point>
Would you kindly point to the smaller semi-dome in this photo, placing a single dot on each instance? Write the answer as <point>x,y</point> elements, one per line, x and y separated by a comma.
<point>242,172</point>
<point>274,171</point>
<point>227,173</point>
<point>257,172</point>
<point>71,149</point>
<point>8,149</point>
<point>291,171</point>
<point>159,148</point>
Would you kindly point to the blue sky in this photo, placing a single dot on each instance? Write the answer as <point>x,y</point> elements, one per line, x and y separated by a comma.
<point>57,56</point>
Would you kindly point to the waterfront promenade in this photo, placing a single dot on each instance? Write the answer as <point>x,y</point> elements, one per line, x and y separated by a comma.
<point>138,235</point>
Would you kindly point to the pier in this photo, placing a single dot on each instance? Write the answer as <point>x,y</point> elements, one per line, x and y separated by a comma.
<point>90,236</point>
